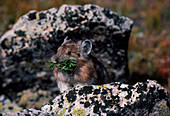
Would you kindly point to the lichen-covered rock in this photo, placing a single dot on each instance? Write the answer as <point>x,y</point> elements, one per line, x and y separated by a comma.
<point>7,106</point>
<point>33,98</point>
<point>35,37</point>
<point>141,99</point>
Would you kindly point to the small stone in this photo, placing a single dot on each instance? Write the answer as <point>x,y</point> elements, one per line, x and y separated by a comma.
<point>41,74</point>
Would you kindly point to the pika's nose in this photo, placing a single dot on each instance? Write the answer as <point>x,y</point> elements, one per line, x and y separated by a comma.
<point>55,60</point>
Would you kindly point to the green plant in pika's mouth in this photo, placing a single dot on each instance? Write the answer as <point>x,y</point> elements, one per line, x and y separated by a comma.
<point>66,65</point>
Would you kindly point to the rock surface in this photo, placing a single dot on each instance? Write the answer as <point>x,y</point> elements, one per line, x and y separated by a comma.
<point>141,99</point>
<point>7,106</point>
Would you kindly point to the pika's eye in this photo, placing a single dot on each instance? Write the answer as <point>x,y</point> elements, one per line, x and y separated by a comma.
<point>78,55</point>
<point>69,53</point>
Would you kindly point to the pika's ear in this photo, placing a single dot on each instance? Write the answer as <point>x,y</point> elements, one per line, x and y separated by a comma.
<point>86,46</point>
<point>65,40</point>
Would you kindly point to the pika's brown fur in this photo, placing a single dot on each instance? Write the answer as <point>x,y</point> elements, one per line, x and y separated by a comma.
<point>85,72</point>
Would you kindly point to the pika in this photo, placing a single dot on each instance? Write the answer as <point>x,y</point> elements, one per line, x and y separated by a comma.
<point>88,70</point>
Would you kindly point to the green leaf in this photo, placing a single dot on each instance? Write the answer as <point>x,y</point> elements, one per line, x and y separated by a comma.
<point>68,65</point>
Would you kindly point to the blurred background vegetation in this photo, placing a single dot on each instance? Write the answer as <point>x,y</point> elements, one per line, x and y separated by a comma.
<point>149,45</point>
